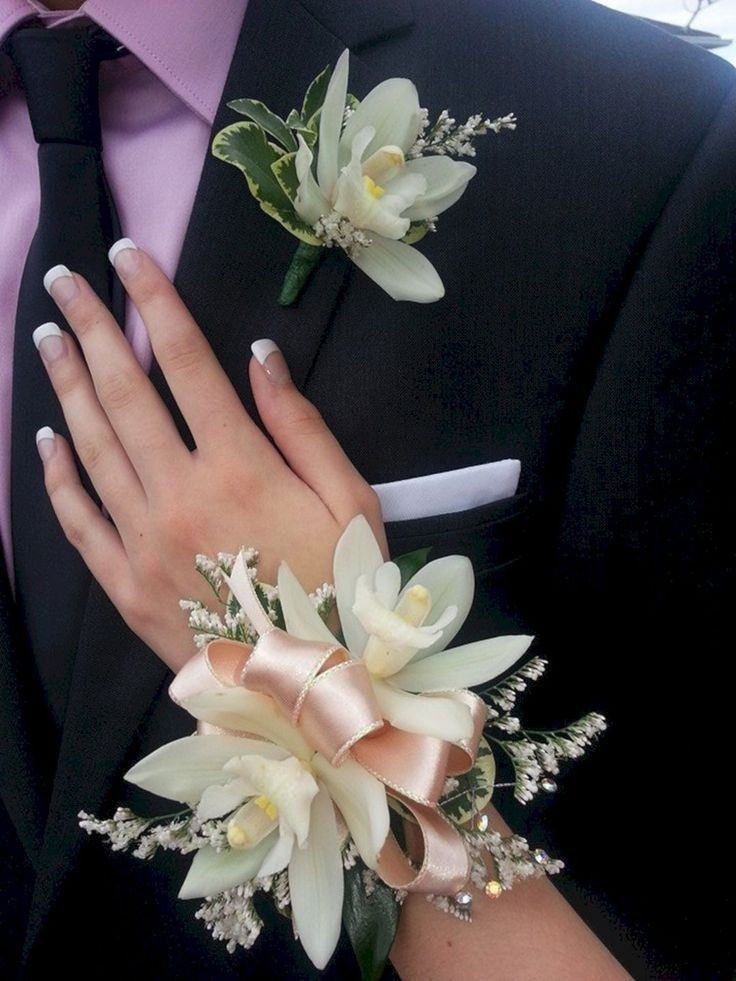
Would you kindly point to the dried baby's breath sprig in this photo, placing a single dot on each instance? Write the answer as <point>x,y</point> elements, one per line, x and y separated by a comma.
<point>324,599</point>
<point>232,917</point>
<point>336,229</point>
<point>536,754</point>
<point>449,138</point>
<point>181,831</point>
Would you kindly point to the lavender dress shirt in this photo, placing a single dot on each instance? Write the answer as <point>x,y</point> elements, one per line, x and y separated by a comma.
<point>157,106</point>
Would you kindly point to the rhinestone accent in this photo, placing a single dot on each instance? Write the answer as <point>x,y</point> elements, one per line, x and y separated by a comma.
<point>549,784</point>
<point>493,889</point>
<point>482,822</point>
<point>540,856</point>
<point>464,899</point>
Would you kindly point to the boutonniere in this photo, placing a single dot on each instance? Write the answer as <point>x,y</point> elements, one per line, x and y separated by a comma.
<point>370,176</point>
<point>317,752</point>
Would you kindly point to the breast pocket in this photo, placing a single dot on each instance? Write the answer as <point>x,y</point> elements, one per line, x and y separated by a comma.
<point>495,537</point>
<point>491,535</point>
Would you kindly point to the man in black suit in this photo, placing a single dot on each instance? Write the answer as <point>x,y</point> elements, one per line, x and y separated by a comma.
<point>587,331</point>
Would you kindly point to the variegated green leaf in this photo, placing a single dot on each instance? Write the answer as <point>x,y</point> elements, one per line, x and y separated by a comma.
<point>315,94</point>
<point>310,135</point>
<point>245,146</point>
<point>475,787</point>
<point>291,222</point>
<point>267,120</point>
<point>284,170</point>
<point>417,231</point>
<point>294,120</point>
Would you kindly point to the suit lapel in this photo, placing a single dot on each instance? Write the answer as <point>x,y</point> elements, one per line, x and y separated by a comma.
<point>229,273</point>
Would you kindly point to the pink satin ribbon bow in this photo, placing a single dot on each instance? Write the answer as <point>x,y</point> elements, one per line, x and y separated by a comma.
<point>328,696</point>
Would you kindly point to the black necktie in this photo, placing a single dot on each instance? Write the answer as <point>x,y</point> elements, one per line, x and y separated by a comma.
<point>58,70</point>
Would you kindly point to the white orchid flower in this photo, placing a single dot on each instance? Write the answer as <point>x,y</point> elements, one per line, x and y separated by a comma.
<point>402,634</point>
<point>363,176</point>
<point>283,796</point>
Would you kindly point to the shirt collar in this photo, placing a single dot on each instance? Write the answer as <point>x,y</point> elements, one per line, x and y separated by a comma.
<point>187,44</point>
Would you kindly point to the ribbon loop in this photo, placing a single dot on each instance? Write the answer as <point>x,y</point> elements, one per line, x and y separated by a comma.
<point>329,697</point>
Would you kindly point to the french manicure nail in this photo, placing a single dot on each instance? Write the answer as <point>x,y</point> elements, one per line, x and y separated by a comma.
<point>269,355</point>
<point>49,341</point>
<point>60,284</point>
<point>46,442</point>
<point>124,255</point>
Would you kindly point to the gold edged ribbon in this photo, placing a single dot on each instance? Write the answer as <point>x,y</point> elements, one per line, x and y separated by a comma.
<point>328,696</point>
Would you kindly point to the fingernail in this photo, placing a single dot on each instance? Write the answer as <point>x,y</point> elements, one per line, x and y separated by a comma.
<point>268,354</point>
<point>49,342</point>
<point>60,284</point>
<point>46,442</point>
<point>124,255</point>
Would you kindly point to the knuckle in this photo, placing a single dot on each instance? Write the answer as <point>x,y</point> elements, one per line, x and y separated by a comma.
<point>240,485</point>
<point>128,598</point>
<point>92,451</point>
<point>65,377</point>
<point>183,355</point>
<point>54,480</point>
<point>118,390</point>
<point>179,522</point>
<point>147,288</point>
<point>87,317</point>
<point>75,534</point>
<point>368,500</point>
<point>307,420</point>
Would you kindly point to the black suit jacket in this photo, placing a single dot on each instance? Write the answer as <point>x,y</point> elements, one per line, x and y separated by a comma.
<point>587,330</point>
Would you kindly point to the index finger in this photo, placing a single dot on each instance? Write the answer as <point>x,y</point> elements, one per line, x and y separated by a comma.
<point>197,381</point>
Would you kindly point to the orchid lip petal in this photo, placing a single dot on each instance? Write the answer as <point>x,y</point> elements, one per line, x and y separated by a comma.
<point>218,799</point>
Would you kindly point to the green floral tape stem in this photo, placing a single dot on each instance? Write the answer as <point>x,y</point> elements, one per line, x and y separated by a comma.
<point>304,262</point>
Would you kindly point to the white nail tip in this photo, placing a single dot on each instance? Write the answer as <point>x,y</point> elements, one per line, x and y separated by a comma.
<point>45,330</point>
<point>45,432</point>
<point>53,274</point>
<point>122,243</point>
<point>261,349</point>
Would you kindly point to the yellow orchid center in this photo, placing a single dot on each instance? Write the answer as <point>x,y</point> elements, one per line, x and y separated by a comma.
<point>268,806</point>
<point>252,823</point>
<point>386,652</point>
<point>414,605</point>
<point>375,190</point>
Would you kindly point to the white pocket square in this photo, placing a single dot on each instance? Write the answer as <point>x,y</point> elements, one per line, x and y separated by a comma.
<point>449,490</point>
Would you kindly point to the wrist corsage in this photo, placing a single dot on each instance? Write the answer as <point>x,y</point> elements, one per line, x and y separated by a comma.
<point>315,750</point>
<point>370,176</point>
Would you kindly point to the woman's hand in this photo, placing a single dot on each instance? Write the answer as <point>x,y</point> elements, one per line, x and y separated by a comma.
<point>166,503</point>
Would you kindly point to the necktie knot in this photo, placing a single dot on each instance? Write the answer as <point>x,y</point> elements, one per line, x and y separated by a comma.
<point>58,69</point>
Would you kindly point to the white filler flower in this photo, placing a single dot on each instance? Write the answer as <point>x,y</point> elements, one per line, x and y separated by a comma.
<point>281,796</point>
<point>402,634</point>
<point>364,178</point>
